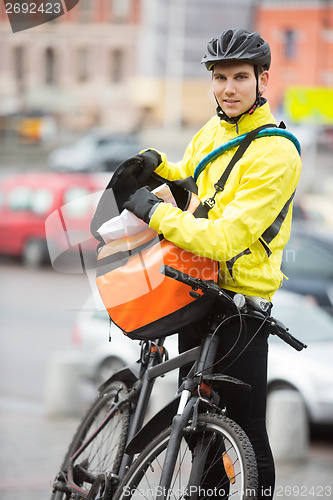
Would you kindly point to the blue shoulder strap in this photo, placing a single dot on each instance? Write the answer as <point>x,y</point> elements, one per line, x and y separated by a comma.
<point>266,132</point>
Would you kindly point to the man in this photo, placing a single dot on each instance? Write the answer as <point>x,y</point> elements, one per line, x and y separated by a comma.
<point>248,222</point>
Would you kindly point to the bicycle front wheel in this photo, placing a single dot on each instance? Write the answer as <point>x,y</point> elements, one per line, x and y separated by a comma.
<point>97,458</point>
<point>215,461</point>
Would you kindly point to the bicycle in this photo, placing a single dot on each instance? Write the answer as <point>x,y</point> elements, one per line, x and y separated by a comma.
<point>113,455</point>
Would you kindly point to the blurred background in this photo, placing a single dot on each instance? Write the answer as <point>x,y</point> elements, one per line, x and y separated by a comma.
<point>80,94</point>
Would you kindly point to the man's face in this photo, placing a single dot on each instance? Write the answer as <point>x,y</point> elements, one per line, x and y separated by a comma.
<point>234,84</point>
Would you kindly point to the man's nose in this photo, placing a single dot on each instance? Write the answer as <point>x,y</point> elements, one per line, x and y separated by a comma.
<point>229,87</point>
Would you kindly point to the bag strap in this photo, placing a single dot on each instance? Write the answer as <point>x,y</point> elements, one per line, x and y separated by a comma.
<point>267,132</point>
<point>207,205</point>
<point>237,156</point>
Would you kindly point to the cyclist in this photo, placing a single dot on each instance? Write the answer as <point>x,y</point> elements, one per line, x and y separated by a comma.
<point>247,227</point>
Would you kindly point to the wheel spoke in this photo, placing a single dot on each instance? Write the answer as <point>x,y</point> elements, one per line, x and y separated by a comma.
<point>216,436</point>
<point>102,456</point>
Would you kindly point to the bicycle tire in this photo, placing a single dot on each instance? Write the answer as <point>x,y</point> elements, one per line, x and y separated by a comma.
<point>103,455</point>
<point>142,479</point>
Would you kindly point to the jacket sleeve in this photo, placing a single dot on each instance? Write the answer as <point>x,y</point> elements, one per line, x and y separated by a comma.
<point>265,186</point>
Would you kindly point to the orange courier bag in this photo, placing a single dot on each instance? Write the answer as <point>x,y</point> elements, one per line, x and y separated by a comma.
<point>141,301</point>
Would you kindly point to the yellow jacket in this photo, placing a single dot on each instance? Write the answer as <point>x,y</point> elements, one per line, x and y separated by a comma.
<point>249,225</point>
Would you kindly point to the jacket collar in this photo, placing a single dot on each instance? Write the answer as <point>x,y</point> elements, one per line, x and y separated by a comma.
<point>246,123</point>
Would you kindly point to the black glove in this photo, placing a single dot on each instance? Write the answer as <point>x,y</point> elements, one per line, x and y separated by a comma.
<point>141,203</point>
<point>143,165</point>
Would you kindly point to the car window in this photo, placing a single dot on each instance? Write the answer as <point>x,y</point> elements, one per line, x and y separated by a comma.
<point>85,145</point>
<point>104,141</point>
<point>307,258</point>
<point>298,213</point>
<point>41,200</point>
<point>19,198</point>
<point>306,322</point>
<point>38,201</point>
<point>76,202</point>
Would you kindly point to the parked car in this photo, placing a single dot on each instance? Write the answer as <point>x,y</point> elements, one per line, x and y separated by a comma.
<point>94,152</point>
<point>90,335</point>
<point>308,263</point>
<point>310,372</point>
<point>318,209</point>
<point>101,358</point>
<point>28,199</point>
<point>300,214</point>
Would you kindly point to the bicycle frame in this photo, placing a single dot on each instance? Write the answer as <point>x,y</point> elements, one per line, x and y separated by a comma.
<point>141,392</point>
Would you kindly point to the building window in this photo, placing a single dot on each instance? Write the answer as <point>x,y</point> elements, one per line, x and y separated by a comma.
<point>120,10</point>
<point>290,44</point>
<point>19,64</point>
<point>117,65</point>
<point>85,11</point>
<point>50,70</point>
<point>82,64</point>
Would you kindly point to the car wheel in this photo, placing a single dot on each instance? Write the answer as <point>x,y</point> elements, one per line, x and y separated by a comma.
<point>280,386</point>
<point>35,253</point>
<point>107,368</point>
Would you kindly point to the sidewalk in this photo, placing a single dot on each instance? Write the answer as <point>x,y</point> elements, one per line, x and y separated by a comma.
<point>311,479</point>
<point>33,446</point>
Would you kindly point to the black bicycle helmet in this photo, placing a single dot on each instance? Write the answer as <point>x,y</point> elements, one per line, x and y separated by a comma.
<point>238,45</point>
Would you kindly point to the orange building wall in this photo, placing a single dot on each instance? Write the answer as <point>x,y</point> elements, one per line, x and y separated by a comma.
<point>312,62</point>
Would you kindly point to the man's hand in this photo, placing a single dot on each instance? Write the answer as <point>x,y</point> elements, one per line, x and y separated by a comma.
<point>143,165</point>
<point>141,203</point>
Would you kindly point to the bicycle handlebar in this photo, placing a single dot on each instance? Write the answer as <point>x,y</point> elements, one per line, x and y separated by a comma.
<point>208,287</point>
<point>182,277</point>
<point>276,327</point>
<point>281,331</point>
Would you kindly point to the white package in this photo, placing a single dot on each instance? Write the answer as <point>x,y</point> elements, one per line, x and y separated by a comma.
<point>127,224</point>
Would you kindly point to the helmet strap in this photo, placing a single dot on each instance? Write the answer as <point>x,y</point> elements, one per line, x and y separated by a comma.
<point>258,94</point>
<point>223,116</point>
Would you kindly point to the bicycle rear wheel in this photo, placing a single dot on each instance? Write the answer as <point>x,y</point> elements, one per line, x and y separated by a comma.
<point>229,469</point>
<point>101,458</point>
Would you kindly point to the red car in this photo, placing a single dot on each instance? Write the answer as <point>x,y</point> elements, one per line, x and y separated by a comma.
<point>63,203</point>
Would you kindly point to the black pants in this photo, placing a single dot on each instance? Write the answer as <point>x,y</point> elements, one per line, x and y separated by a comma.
<point>247,408</point>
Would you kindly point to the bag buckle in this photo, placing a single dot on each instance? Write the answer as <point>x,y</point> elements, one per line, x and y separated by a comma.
<point>218,187</point>
<point>210,202</point>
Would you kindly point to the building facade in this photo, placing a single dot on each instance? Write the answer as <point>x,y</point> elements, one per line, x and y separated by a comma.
<point>121,64</point>
<point>75,65</point>
<point>300,33</point>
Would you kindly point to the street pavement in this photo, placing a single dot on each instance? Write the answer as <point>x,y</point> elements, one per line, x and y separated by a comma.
<point>33,445</point>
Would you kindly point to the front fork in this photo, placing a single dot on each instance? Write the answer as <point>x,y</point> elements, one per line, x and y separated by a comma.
<point>153,354</point>
<point>180,420</point>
